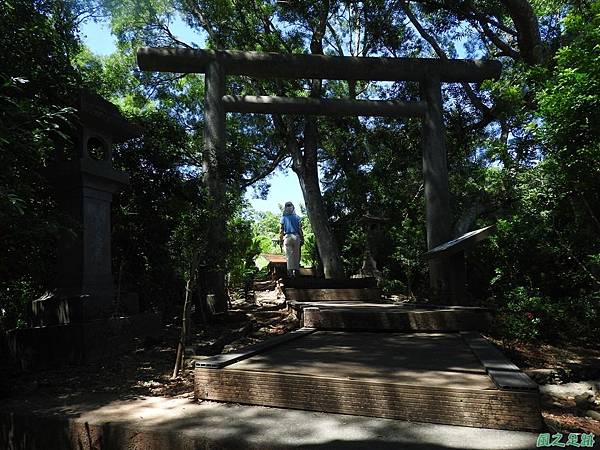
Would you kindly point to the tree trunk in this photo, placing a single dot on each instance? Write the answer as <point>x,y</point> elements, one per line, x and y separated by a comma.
<point>306,168</point>
<point>185,329</point>
<point>528,30</point>
<point>326,243</point>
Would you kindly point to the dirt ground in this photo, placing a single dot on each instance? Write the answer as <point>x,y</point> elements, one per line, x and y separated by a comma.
<point>147,370</point>
<point>569,379</point>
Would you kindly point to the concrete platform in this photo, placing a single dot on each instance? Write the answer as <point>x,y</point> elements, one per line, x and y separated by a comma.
<point>444,378</point>
<point>157,423</point>
<point>414,359</point>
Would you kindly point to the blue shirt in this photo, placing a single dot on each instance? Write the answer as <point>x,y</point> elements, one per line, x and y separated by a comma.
<point>291,223</point>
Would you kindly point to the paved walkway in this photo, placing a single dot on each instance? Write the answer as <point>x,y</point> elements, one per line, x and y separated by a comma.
<point>157,423</point>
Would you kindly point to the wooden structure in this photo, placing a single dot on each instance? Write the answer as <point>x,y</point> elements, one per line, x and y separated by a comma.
<point>449,378</point>
<point>327,295</point>
<point>276,265</point>
<point>429,73</point>
<point>357,305</point>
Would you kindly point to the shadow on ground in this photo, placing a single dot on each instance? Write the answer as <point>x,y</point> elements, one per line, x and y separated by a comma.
<point>177,423</point>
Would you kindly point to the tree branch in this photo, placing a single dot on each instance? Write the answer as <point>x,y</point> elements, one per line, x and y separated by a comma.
<point>270,28</point>
<point>267,171</point>
<point>338,43</point>
<point>503,46</point>
<point>172,36</point>
<point>475,101</point>
<point>163,80</point>
<point>199,16</point>
<point>471,13</point>
<point>528,30</point>
<point>310,124</point>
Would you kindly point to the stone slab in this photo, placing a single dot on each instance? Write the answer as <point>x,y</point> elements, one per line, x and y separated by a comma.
<point>374,317</point>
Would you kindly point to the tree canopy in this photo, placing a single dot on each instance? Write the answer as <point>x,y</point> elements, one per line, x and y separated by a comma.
<point>523,150</point>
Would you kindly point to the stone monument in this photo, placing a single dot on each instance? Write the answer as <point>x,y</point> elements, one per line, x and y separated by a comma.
<point>372,227</point>
<point>78,321</point>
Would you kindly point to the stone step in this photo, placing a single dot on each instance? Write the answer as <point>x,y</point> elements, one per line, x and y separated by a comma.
<point>329,283</point>
<point>339,294</point>
<point>385,317</point>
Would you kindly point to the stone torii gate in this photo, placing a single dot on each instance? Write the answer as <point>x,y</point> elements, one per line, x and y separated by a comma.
<point>429,73</point>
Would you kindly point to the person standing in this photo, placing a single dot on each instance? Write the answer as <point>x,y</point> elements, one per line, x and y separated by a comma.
<point>290,232</point>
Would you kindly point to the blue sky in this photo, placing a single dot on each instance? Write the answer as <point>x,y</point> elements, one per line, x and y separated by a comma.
<point>284,185</point>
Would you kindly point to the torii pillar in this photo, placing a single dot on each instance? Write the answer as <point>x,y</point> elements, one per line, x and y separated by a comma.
<point>437,192</point>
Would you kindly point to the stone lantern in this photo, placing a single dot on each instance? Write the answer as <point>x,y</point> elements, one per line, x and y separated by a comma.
<point>372,227</point>
<point>78,322</point>
<point>85,182</point>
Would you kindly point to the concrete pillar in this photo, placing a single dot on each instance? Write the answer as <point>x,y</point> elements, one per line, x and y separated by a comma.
<point>84,189</point>
<point>437,195</point>
<point>214,148</point>
<point>214,125</point>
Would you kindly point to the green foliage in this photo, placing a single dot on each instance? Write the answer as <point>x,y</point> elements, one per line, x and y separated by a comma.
<point>570,101</point>
<point>266,229</point>
<point>36,84</point>
<point>409,239</point>
<point>244,248</point>
<point>528,316</point>
<point>570,107</point>
<point>161,202</point>
<point>310,254</point>
<point>546,251</point>
<point>525,317</point>
<point>188,242</point>
<point>378,174</point>
<point>15,299</point>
